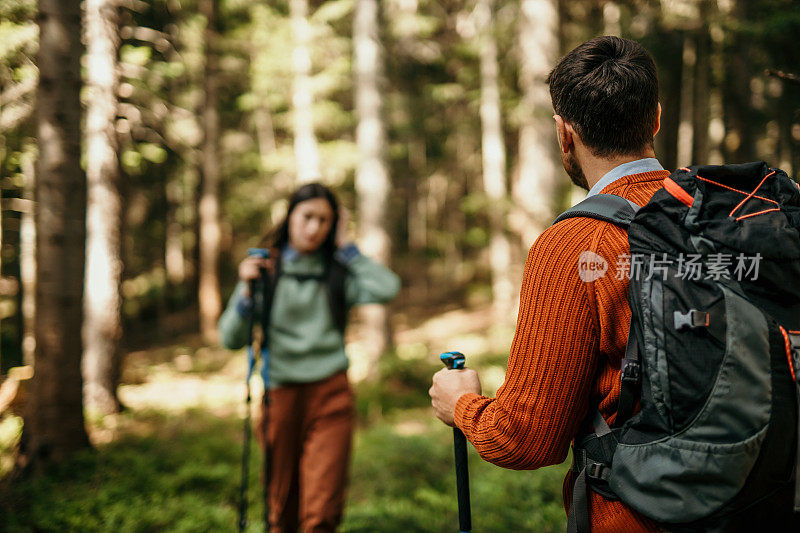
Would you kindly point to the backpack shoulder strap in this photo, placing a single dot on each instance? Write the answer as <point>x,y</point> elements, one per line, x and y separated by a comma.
<point>605,207</point>
<point>268,283</point>
<point>337,273</point>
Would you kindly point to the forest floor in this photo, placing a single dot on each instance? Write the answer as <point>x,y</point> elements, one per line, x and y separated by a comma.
<point>171,460</point>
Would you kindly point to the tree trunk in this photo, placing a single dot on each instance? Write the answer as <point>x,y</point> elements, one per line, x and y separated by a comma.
<point>685,128</point>
<point>209,292</point>
<point>669,74</point>
<point>493,150</point>
<point>102,307</point>
<point>740,138</point>
<point>373,184</point>
<point>611,19</point>
<point>305,143</point>
<point>54,425</point>
<point>536,187</point>
<point>27,265</point>
<point>700,100</point>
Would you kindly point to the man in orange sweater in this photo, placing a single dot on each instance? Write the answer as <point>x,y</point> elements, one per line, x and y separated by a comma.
<point>572,332</point>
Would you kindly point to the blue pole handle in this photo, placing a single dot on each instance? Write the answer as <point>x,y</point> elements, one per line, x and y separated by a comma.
<point>453,360</point>
<point>262,253</point>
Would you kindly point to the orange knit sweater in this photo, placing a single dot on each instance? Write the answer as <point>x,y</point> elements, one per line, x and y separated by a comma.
<point>566,354</point>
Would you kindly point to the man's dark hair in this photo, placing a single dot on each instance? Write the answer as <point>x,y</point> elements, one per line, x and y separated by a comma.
<point>607,88</point>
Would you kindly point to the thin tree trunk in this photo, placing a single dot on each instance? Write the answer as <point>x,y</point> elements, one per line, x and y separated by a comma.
<point>209,292</point>
<point>700,100</point>
<point>305,143</point>
<point>611,19</point>
<point>669,71</point>
<point>2,167</point>
<point>27,265</point>
<point>54,425</point>
<point>536,187</point>
<point>174,254</point>
<point>373,184</point>
<point>685,128</point>
<point>102,308</point>
<point>740,136</point>
<point>494,161</point>
<point>174,259</point>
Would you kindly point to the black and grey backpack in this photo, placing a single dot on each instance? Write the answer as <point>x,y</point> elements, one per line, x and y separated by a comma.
<point>713,356</point>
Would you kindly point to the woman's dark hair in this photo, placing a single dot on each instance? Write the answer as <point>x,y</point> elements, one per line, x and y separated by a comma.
<point>279,236</point>
<point>607,88</point>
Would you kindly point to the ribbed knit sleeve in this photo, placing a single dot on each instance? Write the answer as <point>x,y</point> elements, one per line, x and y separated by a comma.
<point>545,395</point>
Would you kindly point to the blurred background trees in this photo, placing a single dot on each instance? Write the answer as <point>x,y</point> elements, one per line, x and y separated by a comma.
<point>431,119</point>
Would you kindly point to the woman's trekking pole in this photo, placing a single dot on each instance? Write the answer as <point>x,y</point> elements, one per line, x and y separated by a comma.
<point>457,361</point>
<point>251,363</point>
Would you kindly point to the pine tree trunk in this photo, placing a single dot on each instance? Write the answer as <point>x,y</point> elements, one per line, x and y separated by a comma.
<point>700,107</point>
<point>53,423</point>
<point>536,187</point>
<point>102,328</point>
<point>669,71</point>
<point>373,184</point>
<point>209,296</point>
<point>685,128</point>
<point>305,143</point>
<point>493,151</point>
<point>27,265</point>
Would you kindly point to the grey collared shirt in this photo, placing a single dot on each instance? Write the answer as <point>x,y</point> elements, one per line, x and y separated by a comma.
<point>648,164</point>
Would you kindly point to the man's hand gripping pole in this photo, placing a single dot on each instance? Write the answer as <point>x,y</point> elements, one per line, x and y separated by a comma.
<point>457,361</point>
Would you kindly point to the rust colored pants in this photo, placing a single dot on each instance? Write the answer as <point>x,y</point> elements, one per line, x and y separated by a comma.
<point>310,435</point>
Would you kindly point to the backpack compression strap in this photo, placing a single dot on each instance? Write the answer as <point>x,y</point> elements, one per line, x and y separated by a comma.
<point>606,207</point>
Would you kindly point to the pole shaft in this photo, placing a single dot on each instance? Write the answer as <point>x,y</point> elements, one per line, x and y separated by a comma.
<point>462,480</point>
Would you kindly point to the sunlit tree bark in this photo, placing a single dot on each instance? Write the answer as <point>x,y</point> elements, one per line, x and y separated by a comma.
<point>494,160</point>
<point>305,143</point>
<point>53,422</point>
<point>209,291</point>
<point>27,267</point>
<point>102,328</point>
<point>535,188</point>
<point>373,184</point>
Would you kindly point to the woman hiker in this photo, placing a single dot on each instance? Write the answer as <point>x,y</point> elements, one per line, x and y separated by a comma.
<point>314,275</point>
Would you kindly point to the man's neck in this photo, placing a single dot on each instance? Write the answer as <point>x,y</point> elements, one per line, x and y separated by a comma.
<point>594,168</point>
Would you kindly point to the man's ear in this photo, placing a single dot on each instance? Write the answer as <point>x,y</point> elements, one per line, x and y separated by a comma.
<point>658,120</point>
<point>565,134</point>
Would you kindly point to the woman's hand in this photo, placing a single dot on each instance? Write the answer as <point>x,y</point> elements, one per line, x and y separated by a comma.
<point>342,233</point>
<point>250,269</point>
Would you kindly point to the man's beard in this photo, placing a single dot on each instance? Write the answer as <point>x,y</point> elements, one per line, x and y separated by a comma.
<point>574,170</point>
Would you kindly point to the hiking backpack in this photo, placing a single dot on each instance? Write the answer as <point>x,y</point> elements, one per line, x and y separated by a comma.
<point>713,356</point>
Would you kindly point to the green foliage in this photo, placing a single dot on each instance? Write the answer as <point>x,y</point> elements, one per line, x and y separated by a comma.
<point>181,473</point>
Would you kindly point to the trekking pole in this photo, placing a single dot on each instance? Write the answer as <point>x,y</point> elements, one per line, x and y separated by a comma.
<point>267,463</point>
<point>457,361</point>
<point>251,363</point>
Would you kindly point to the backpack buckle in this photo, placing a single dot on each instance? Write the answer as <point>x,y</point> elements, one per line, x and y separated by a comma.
<point>692,319</point>
<point>597,471</point>
<point>630,371</point>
